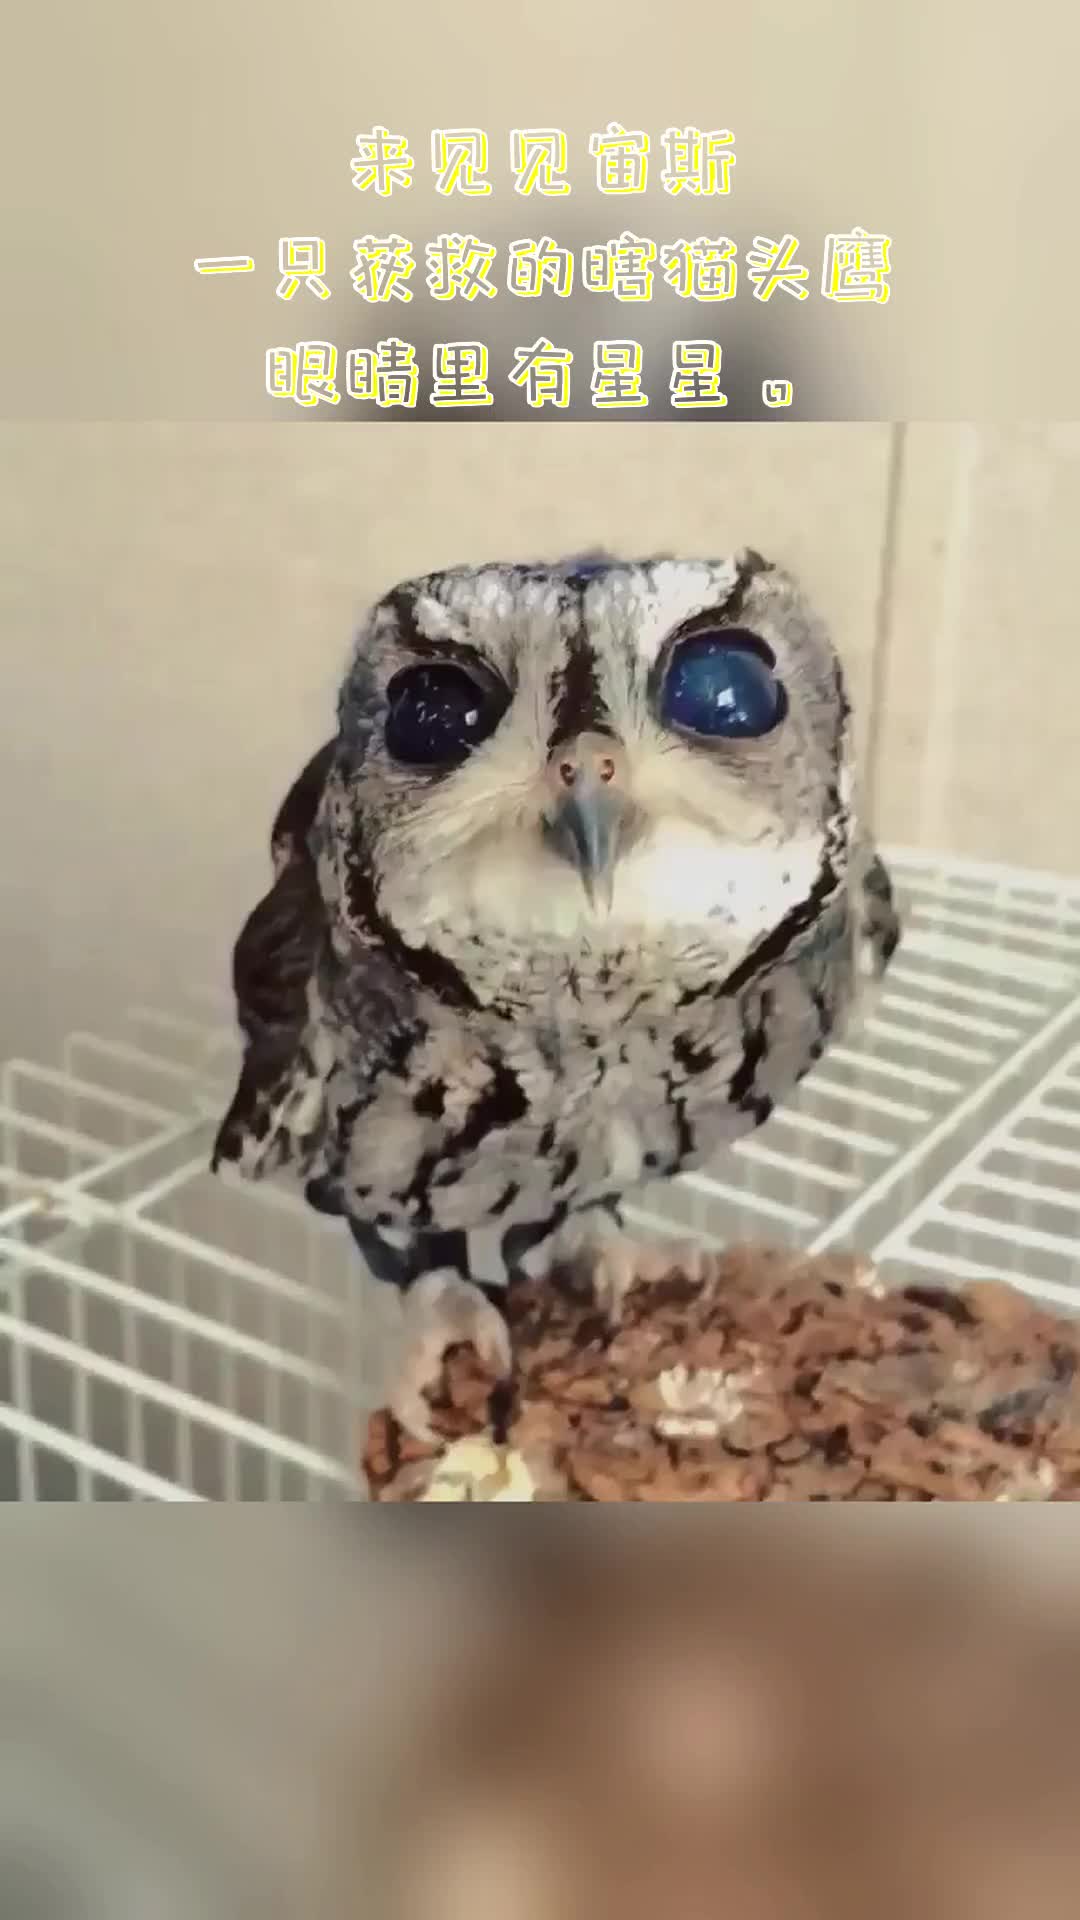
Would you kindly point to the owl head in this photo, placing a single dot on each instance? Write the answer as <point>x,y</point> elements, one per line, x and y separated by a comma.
<point>594,750</point>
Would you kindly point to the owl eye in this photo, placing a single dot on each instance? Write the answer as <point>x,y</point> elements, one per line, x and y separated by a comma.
<point>721,685</point>
<point>438,714</point>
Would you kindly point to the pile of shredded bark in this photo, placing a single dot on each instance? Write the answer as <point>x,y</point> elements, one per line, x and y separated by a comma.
<point>774,1377</point>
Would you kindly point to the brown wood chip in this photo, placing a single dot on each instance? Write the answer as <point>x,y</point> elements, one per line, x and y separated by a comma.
<point>781,1378</point>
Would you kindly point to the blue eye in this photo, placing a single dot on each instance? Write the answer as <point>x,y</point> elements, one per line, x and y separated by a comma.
<point>719,685</point>
<point>438,714</point>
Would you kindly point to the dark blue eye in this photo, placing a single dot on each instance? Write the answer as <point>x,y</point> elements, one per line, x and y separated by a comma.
<point>438,714</point>
<point>721,686</point>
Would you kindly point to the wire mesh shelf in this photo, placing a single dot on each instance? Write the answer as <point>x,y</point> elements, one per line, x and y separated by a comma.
<point>169,1335</point>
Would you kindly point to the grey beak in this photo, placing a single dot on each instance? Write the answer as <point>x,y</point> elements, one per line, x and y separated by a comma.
<point>586,827</point>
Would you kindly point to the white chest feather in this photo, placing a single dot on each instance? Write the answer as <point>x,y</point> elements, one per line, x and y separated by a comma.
<point>680,877</point>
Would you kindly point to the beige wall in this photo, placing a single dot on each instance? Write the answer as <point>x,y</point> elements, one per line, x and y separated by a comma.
<point>144,137</point>
<point>177,602</point>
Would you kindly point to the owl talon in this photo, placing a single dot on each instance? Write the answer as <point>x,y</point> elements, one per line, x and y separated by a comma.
<point>626,1263</point>
<point>441,1311</point>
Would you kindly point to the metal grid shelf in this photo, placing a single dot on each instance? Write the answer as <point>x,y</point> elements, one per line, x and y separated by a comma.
<point>168,1335</point>
<point>984,993</point>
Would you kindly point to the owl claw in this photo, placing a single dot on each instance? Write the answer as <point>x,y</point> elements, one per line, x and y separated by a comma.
<point>441,1311</point>
<point>626,1263</point>
<point>621,1265</point>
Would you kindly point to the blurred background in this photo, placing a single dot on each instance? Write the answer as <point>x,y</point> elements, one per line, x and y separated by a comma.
<point>269,1715</point>
<point>218,1724</point>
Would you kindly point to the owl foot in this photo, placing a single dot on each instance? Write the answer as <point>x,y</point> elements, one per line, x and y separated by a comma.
<point>625,1263</point>
<point>441,1311</point>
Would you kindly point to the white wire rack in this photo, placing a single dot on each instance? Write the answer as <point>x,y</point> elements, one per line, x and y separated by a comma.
<point>165,1334</point>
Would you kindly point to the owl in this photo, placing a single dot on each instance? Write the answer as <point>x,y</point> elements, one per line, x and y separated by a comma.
<point>577,892</point>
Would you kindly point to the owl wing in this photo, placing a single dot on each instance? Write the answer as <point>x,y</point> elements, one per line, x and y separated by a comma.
<point>274,960</point>
<point>878,911</point>
<point>296,814</point>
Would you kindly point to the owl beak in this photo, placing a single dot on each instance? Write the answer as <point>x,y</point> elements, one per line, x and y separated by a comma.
<point>590,810</point>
